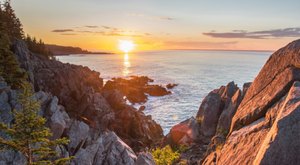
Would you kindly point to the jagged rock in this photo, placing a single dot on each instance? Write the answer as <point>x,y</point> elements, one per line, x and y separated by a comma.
<point>77,134</point>
<point>218,107</point>
<point>265,128</point>
<point>145,158</point>
<point>108,149</point>
<point>135,128</point>
<point>58,122</point>
<point>281,145</point>
<point>209,113</point>
<point>89,145</point>
<point>184,133</point>
<point>227,114</point>
<point>246,86</point>
<point>80,91</point>
<point>272,83</point>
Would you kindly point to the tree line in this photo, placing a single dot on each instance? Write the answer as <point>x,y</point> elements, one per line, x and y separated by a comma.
<point>27,134</point>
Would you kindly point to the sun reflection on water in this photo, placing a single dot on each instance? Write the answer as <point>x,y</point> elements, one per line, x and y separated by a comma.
<point>126,65</point>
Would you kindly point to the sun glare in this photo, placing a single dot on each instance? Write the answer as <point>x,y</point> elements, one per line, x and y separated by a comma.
<point>126,45</point>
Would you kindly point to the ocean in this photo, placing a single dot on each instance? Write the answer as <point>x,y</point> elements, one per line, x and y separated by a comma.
<point>196,73</point>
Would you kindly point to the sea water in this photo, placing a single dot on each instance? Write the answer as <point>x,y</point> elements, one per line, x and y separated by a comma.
<point>195,72</point>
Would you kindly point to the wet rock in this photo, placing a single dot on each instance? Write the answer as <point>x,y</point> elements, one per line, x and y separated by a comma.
<point>142,108</point>
<point>135,88</point>
<point>156,90</point>
<point>171,86</point>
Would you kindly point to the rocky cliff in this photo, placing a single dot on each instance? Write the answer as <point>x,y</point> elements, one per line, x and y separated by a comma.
<point>256,125</point>
<point>265,127</point>
<point>101,127</point>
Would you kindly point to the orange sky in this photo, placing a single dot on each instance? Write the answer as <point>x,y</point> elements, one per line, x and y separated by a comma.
<point>153,25</point>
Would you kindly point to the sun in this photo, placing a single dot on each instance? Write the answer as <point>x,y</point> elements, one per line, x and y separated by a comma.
<point>126,45</point>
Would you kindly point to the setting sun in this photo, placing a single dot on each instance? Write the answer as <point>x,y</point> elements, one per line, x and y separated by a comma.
<point>126,45</point>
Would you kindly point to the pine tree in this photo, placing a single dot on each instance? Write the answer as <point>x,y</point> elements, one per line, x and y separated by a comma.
<point>12,25</point>
<point>9,67</point>
<point>29,135</point>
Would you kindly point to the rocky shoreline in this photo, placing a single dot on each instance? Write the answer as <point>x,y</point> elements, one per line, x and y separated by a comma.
<point>97,120</point>
<point>258,124</point>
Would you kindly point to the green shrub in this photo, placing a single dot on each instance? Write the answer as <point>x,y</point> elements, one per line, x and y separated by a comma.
<point>165,156</point>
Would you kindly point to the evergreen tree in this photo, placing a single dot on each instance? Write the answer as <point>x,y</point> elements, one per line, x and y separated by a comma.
<point>12,25</point>
<point>38,47</point>
<point>29,135</point>
<point>9,67</point>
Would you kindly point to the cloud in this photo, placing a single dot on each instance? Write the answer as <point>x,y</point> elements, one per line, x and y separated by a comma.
<point>62,30</point>
<point>265,34</point>
<point>91,26</point>
<point>110,28</point>
<point>199,44</point>
<point>68,34</point>
<point>106,31</point>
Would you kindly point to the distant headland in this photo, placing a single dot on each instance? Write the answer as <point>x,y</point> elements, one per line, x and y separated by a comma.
<point>58,50</point>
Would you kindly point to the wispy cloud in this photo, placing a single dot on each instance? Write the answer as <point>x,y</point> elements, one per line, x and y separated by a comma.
<point>91,26</point>
<point>69,34</point>
<point>265,34</point>
<point>105,31</point>
<point>199,44</point>
<point>62,30</point>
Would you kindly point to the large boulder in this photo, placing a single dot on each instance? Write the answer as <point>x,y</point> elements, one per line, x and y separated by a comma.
<point>184,133</point>
<point>217,102</point>
<point>271,84</point>
<point>107,149</point>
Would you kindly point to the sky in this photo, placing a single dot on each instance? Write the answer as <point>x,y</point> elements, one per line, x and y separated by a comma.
<point>162,24</point>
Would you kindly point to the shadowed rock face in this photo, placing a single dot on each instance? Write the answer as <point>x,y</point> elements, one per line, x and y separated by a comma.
<point>217,109</point>
<point>80,91</point>
<point>87,144</point>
